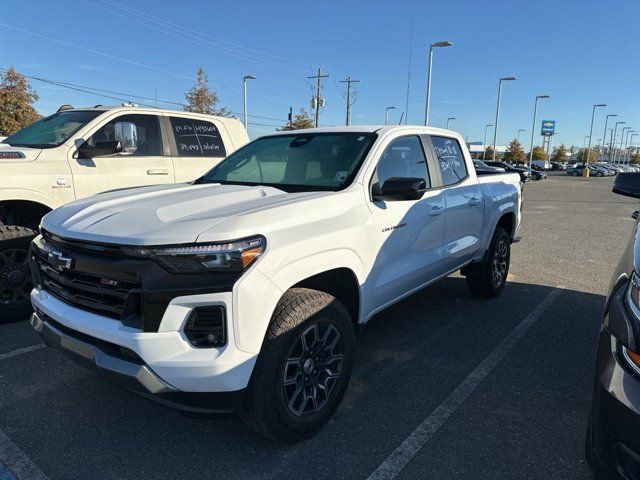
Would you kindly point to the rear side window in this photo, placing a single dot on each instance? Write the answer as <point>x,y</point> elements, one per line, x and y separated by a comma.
<point>450,159</point>
<point>404,158</point>
<point>197,138</point>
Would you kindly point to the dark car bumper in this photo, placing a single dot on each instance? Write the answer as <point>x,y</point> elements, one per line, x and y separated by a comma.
<point>128,370</point>
<point>613,443</point>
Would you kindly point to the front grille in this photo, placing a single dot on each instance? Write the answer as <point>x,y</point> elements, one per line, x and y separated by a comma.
<point>111,297</point>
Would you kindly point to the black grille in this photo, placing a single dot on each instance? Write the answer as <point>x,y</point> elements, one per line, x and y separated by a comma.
<point>111,297</point>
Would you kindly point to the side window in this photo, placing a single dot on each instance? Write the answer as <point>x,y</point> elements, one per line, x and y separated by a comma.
<point>404,157</point>
<point>139,135</point>
<point>450,159</point>
<point>197,138</point>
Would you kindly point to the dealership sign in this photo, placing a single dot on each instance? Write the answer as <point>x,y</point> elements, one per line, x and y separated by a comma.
<point>548,128</point>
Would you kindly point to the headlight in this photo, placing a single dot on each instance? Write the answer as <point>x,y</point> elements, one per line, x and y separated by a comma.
<point>207,257</point>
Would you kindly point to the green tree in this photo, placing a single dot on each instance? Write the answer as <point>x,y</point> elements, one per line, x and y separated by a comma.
<point>300,121</point>
<point>560,154</point>
<point>582,155</point>
<point>539,154</point>
<point>16,102</point>
<point>201,99</point>
<point>514,152</point>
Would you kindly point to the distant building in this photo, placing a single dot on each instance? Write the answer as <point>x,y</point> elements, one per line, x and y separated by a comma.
<point>476,149</point>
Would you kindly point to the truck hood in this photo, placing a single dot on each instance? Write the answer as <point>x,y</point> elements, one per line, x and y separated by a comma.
<point>160,215</point>
<point>28,154</point>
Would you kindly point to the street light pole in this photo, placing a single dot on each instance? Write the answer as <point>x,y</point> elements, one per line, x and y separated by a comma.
<point>630,134</point>
<point>612,154</point>
<point>429,68</point>
<point>631,147</point>
<point>449,120</point>
<point>533,127</point>
<point>518,135</point>
<point>623,154</point>
<point>593,114</point>
<point>244,98</point>
<point>495,130</point>
<point>604,137</point>
<point>484,143</point>
<point>386,114</point>
<point>622,134</point>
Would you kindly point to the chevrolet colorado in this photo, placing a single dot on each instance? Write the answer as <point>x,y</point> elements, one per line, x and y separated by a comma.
<point>240,292</point>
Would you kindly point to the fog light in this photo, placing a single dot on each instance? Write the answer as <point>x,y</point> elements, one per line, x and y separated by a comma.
<point>205,327</point>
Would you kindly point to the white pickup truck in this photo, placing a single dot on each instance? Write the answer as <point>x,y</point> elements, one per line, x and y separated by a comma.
<point>240,292</point>
<point>77,152</point>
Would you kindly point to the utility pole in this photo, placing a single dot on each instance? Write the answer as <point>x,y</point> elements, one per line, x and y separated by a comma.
<point>317,100</point>
<point>349,81</point>
<point>291,118</point>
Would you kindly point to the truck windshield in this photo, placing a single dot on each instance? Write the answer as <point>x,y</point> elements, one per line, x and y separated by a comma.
<point>52,131</point>
<point>296,162</point>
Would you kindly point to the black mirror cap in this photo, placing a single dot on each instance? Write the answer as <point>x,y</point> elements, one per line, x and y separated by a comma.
<point>628,184</point>
<point>402,188</point>
<point>99,149</point>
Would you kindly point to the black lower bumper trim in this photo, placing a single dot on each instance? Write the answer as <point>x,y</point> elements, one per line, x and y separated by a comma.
<point>131,374</point>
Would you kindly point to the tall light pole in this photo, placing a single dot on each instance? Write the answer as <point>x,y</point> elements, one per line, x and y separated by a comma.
<point>593,114</point>
<point>449,120</point>
<point>519,132</point>
<point>604,137</point>
<point>612,145</point>
<point>386,114</point>
<point>533,127</point>
<point>626,145</point>
<point>622,134</point>
<point>484,143</point>
<point>631,146</point>
<point>431,47</point>
<point>244,98</point>
<point>495,130</point>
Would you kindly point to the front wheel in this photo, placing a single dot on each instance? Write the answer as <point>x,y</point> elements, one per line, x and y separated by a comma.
<point>304,366</point>
<point>15,275</point>
<point>489,278</point>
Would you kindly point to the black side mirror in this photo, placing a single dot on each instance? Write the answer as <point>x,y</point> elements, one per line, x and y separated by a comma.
<point>628,184</point>
<point>99,149</point>
<point>401,188</point>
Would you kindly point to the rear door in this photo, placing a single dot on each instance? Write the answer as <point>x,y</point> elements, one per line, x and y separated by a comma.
<point>197,145</point>
<point>407,234</point>
<point>464,202</point>
<point>144,160</point>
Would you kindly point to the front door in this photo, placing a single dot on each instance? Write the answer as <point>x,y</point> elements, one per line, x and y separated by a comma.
<point>142,161</point>
<point>408,234</point>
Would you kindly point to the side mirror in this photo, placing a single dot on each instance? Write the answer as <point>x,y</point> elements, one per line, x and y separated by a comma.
<point>628,184</point>
<point>127,134</point>
<point>401,188</point>
<point>99,149</point>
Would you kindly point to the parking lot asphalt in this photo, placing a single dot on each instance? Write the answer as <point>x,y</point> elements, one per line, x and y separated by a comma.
<point>445,385</point>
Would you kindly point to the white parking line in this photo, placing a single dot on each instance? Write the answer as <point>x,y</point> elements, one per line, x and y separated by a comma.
<point>408,449</point>
<point>20,466</point>
<point>20,351</point>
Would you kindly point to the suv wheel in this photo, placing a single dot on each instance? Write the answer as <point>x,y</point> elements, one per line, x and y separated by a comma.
<point>304,366</point>
<point>15,275</point>
<point>488,278</point>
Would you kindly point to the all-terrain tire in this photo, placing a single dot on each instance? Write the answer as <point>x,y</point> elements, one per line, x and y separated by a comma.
<point>15,275</point>
<point>489,278</point>
<point>271,405</point>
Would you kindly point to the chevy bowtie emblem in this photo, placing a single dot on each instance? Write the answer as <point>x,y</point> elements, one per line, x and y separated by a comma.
<point>60,262</point>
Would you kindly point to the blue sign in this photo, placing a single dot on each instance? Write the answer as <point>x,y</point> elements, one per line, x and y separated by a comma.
<point>548,128</point>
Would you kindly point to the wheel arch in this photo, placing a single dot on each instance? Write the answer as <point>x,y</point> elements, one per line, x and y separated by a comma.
<point>22,212</point>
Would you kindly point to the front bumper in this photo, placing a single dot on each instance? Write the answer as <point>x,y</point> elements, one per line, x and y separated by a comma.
<point>615,415</point>
<point>126,368</point>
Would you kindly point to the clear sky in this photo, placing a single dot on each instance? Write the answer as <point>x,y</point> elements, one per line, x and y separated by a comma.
<point>578,52</point>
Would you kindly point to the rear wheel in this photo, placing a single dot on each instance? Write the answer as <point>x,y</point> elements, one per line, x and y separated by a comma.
<point>303,368</point>
<point>15,275</point>
<point>488,278</point>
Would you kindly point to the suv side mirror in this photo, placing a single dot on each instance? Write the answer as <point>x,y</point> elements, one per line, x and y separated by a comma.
<point>628,184</point>
<point>401,188</point>
<point>99,149</point>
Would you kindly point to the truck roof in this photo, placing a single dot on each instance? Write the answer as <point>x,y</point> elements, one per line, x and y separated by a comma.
<point>131,108</point>
<point>370,129</point>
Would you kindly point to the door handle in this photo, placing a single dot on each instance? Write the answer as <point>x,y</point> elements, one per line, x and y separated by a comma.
<point>435,211</point>
<point>474,201</point>
<point>158,171</point>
